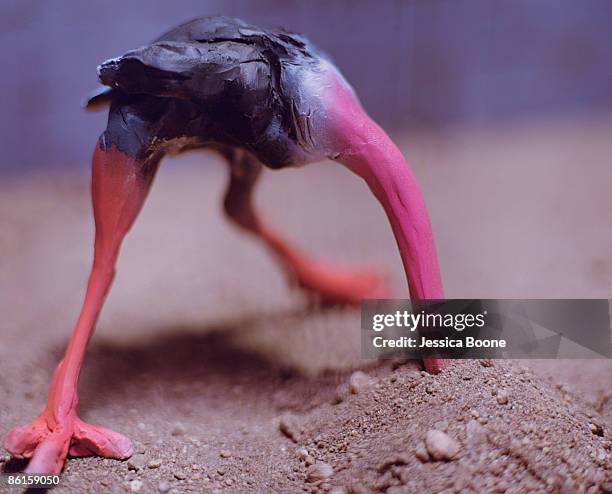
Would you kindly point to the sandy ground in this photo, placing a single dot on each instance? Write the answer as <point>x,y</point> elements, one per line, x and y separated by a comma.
<point>226,381</point>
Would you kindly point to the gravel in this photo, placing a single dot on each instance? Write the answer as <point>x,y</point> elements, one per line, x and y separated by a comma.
<point>136,485</point>
<point>136,462</point>
<point>290,427</point>
<point>440,445</point>
<point>359,382</point>
<point>319,471</point>
<point>502,397</point>
<point>164,486</point>
<point>178,429</point>
<point>179,474</point>
<point>421,452</point>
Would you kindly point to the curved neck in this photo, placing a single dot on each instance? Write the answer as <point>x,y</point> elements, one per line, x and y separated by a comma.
<point>369,152</point>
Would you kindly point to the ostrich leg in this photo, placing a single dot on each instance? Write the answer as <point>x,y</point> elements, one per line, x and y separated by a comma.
<point>329,284</point>
<point>119,186</point>
<point>368,152</point>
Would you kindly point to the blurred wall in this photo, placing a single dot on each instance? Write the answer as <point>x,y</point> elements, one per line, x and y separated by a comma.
<point>413,62</point>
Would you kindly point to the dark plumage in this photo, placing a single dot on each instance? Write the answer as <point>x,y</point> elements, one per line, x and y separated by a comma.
<point>218,80</point>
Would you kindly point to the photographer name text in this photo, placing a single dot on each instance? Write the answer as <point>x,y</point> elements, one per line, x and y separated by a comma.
<point>411,321</point>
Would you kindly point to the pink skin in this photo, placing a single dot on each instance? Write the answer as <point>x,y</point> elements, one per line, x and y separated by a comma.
<point>368,152</point>
<point>328,284</point>
<point>118,192</point>
<point>120,185</point>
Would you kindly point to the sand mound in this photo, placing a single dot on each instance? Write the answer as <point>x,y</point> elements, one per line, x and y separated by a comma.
<point>500,429</point>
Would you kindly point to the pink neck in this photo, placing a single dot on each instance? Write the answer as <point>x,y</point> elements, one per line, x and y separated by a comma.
<point>369,152</point>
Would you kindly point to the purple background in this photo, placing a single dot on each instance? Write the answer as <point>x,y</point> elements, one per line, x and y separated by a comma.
<point>424,63</point>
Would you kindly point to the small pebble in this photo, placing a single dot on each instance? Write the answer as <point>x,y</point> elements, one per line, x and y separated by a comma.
<point>302,453</point>
<point>440,445</point>
<point>136,462</point>
<point>178,429</point>
<point>421,453</point>
<point>180,475</point>
<point>319,471</point>
<point>225,454</point>
<point>289,426</point>
<point>596,429</point>
<point>154,463</point>
<point>502,397</point>
<point>135,485</point>
<point>164,486</point>
<point>359,382</point>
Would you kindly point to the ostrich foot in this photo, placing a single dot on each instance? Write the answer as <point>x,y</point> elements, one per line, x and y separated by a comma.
<point>48,440</point>
<point>341,286</point>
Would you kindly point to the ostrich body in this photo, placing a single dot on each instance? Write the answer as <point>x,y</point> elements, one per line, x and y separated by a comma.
<point>261,98</point>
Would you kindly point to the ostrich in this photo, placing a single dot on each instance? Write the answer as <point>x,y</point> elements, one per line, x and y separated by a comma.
<point>261,98</point>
